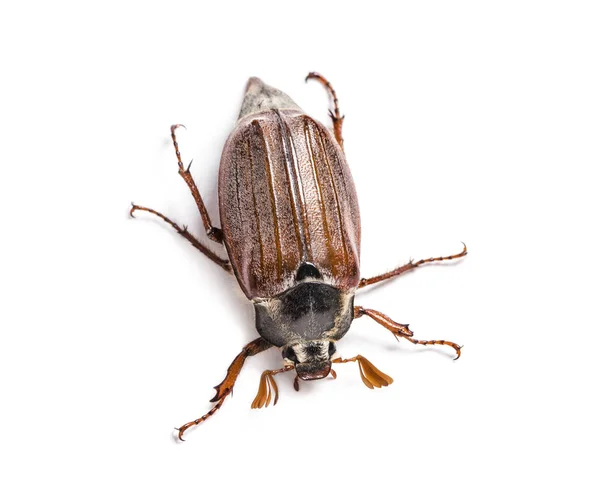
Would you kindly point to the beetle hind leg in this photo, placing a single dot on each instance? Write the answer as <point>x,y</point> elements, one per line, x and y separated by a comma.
<point>183,231</point>
<point>401,330</point>
<point>198,421</point>
<point>336,116</point>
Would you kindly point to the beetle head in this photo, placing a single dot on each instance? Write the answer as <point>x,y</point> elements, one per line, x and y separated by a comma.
<point>311,358</point>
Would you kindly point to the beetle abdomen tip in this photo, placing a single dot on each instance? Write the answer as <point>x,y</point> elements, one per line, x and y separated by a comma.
<point>261,97</point>
<point>254,82</point>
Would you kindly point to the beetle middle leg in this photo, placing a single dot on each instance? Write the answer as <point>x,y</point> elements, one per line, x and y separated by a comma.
<point>336,116</point>
<point>225,388</point>
<point>401,330</point>
<point>409,266</point>
<point>213,232</point>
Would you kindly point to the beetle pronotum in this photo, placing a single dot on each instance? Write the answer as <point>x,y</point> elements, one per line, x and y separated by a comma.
<point>291,231</point>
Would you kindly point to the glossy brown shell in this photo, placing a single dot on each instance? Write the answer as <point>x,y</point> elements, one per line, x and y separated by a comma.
<point>286,197</point>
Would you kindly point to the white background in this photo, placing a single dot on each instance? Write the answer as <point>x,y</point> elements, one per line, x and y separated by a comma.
<point>466,121</point>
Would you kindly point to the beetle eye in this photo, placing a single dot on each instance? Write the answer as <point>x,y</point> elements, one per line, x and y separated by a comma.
<point>331,348</point>
<point>290,354</point>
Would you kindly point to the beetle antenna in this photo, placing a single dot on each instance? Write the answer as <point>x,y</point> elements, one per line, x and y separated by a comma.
<point>369,374</point>
<point>268,389</point>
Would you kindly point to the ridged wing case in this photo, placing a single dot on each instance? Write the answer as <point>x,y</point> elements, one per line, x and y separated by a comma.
<point>286,197</point>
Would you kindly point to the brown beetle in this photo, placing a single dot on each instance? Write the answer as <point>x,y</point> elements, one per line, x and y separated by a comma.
<point>291,228</point>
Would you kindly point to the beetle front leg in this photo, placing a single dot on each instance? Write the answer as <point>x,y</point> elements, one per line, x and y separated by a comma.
<point>409,266</point>
<point>401,330</point>
<point>336,116</point>
<point>185,427</point>
<point>225,388</point>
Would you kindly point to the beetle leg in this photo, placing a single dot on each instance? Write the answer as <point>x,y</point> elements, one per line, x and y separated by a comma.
<point>335,115</point>
<point>183,231</point>
<point>401,330</point>
<point>267,388</point>
<point>409,266</point>
<point>225,388</point>
<point>213,233</point>
<point>369,374</point>
<point>185,427</point>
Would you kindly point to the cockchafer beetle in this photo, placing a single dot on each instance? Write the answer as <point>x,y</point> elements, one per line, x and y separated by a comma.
<point>291,230</point>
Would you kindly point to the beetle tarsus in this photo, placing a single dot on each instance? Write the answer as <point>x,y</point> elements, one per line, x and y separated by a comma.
<point>336,116</point>
<point>198,421</point>
<point>455,346</point>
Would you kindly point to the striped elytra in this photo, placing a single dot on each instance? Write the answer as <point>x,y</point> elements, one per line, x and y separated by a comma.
<point>287,198</point>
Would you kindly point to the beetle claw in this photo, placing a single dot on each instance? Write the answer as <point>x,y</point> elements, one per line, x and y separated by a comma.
<point>174,127</point>
<point>180,433</point>
<point>311,75</point>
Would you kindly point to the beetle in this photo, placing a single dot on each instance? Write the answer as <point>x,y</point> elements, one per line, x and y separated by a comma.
<point>290,226</point>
